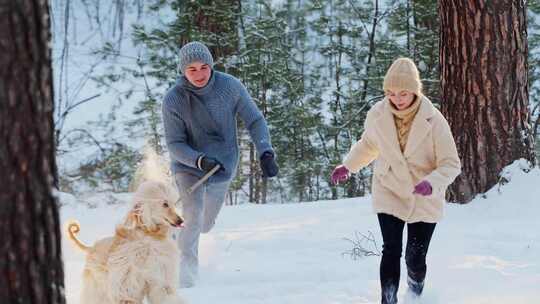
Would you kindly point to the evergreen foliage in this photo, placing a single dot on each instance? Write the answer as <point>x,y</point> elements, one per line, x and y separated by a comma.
<point>313,67</point>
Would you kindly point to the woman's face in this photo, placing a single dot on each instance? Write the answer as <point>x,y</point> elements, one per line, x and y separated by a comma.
<point>402,99</point>
<point>198,73</point>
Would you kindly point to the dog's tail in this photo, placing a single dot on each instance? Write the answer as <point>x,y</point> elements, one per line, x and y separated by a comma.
<point>73,229</point>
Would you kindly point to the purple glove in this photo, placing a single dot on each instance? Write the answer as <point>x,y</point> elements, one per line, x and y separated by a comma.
<point>423,188</point>
<point>340,174</point>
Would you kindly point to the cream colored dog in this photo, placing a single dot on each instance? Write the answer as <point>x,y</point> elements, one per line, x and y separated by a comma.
<point>140,260</point>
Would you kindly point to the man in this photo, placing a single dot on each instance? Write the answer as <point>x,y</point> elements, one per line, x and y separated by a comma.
<point>199,116</point>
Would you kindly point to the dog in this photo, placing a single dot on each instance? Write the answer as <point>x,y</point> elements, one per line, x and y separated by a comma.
<point>140,261</point>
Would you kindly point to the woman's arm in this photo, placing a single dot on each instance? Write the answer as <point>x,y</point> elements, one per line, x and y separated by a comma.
<point>446,157</point>
<point>364,151</point>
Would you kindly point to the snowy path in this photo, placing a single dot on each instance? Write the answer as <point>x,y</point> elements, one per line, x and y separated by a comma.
<point>485,252</point>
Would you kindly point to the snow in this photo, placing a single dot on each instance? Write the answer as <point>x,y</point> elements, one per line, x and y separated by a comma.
<point>484,252</point>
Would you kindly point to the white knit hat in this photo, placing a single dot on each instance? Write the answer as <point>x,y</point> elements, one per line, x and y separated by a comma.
<point>194,51</point>
<point>403,75</point>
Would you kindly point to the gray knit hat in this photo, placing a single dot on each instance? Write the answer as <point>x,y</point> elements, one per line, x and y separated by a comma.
<point>194,51</point>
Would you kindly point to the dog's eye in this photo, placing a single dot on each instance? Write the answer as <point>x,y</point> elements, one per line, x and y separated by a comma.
<point>165,205</point>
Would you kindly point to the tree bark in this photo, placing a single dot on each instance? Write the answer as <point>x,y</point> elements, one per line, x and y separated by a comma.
<point>483,64</point>
<point>31,269</point>
<point>252,173</point>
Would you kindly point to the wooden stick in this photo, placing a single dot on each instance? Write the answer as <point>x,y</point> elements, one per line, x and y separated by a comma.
<point>197,184</point>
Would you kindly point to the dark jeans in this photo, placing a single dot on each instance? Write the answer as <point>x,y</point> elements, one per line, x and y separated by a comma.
<point>418,238</point>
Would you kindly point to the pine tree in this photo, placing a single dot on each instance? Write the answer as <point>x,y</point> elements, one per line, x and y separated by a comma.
<point>267,68</point>
<point>349,63</point>
<point>533,31</point>
<point>484,82</point>
<point>154,69</point>
<point>31,268</point>
<point>416,22</point>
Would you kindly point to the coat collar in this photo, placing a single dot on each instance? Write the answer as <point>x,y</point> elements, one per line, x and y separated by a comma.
<point>419,130</point>
<point>421,126</point>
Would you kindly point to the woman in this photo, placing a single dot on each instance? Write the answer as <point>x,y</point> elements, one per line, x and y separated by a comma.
<point>416,160</point>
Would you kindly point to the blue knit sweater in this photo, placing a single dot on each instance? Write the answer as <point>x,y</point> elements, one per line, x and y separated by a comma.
<point>202,121</point>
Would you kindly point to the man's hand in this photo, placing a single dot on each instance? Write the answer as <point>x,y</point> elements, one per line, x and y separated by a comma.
<point>207,163</point>
<point>269,166</point>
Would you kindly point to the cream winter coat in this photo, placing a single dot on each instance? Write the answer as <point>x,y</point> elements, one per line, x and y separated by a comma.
<point>430,154</point>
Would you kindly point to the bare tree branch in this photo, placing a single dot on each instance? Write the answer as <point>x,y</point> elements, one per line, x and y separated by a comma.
<point>360,244</point>
<point>70,108</point>
<point>87,133</point>
<point>355,114</point>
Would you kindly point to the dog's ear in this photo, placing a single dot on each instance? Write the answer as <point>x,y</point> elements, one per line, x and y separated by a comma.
<point>133,219</point>
<point>145,216</point>
<point>137,208</point>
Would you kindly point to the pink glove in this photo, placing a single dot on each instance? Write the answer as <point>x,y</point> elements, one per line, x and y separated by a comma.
<point>423,188</point>
<point>340,174</point>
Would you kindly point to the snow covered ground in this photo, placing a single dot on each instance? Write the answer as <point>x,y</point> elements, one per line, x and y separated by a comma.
<point>485,252</point>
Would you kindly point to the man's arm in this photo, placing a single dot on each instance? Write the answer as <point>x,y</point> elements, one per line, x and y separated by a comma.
<point>176,136</point>
<point>254,121</point>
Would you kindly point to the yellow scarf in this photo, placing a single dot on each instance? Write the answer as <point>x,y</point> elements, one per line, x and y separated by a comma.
<point>403,120</point>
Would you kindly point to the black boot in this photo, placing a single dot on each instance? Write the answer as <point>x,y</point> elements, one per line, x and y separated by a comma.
<point>416,287</point>
<point>389,295</point>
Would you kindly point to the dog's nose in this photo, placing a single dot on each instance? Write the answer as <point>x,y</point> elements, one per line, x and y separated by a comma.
<point>179,221</point>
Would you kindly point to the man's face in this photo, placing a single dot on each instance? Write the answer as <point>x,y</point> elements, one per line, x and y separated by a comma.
<point>198,73</point>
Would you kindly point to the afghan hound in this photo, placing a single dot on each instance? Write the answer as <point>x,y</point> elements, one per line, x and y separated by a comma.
<point>140,260</point>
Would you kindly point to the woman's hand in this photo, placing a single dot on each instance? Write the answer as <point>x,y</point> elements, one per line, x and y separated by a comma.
<point>423,188</point>
<point>340,174</point>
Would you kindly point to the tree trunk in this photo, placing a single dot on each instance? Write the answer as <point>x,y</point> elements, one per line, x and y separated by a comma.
<point>252,172</point>
<point>483,63</point>
<point>264,190</point>
<point>257,189</point>
<point>31,269</point>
